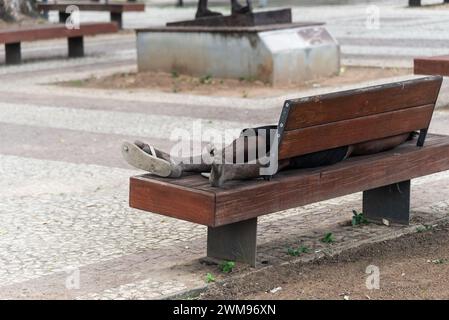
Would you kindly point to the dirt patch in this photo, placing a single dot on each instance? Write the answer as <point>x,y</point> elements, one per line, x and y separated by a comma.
<point>415,266</point>
<point>207,85</point>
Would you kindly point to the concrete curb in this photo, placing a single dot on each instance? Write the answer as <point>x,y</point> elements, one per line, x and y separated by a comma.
<point>335,251</point>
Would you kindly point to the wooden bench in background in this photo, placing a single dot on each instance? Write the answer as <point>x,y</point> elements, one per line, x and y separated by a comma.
<point>438,65</point>
<point>308,125</point>
<point>13,37</point>
<point>417,3</point>
<point>116,9</point>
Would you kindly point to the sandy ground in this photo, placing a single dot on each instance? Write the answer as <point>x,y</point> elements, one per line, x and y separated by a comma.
<point>412,267</point>
<point>246,88</point>
<point>437,6</point>
<point>21,22</point>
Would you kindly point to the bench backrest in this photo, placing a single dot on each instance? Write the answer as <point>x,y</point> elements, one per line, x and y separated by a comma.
<point>89,6</point>
<point>338,119</point>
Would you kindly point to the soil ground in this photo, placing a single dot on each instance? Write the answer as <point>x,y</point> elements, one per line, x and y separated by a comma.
<point>247,88</point>
<point>22,21</point>
<point>415,266</point>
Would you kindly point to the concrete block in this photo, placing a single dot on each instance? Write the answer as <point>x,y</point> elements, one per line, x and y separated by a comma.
<point>277,54</point>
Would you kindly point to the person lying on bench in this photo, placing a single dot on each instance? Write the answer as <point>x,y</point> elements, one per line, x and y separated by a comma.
<point>226,166</point>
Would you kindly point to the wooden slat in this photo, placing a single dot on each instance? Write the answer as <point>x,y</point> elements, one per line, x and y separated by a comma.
<point>432,65</point>
<point>347,132</point>
<point>241,200</point>
<point>34,33</point>
<point>290,189</point>
<point>89,6</point>
<point>356,103</point>
<point>172,200</point>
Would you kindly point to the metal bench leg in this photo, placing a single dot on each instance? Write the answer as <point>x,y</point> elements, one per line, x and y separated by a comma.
<point>13,54</point>
<point>117,17</point>
<point>76,47</point>
<point>63,16</point>
<point>390,202</point>
<point>422,137</point>
<point>414,3</point>
<point>235,242</point>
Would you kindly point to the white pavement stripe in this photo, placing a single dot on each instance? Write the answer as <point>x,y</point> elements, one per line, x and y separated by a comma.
<point>387,33</point>
<point>380,63</point>
<point>393,51</point>
<point>61,64</point>
<point>110,122</point>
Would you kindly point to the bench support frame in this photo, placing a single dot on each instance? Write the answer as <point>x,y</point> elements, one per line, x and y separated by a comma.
<point>13,53</point>
<point>76,47</point>
<point>117,17</point>
<point>414,3</point>
<point>422,137</point>
<point>390,202</point>
<point>234,242</point>
<point>63,16</point>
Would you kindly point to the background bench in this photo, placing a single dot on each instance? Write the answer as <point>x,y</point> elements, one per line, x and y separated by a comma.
<point>116,9</point>
<point>438,65</point>
<point>13,37</point>
<point>417,3</point>
<point>309,125</point>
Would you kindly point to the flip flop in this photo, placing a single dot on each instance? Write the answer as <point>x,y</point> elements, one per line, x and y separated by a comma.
<point>148,161</point>
<point>205,174</point>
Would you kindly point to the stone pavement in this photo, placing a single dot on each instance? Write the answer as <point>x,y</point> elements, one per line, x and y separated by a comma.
<point>66,230</point>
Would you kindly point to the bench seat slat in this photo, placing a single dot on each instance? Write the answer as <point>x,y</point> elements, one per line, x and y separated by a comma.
<point>173,200</point>
<point>242,200</point>
<point>311,111</point>
<point>347,132</point>
<point>46,32</point>
<point>438,65</point>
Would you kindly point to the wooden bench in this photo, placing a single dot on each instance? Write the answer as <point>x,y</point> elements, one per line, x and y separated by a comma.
<point>308,125</point>
<point>116,9</point>
<point>438,65</point>
<point>417,3</point>
<point>13,37</point>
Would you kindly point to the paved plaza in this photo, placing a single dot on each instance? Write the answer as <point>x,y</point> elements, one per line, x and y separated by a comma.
<point>66,230</point>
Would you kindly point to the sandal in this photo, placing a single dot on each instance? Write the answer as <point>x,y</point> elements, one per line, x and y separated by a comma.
<point>148,160</point>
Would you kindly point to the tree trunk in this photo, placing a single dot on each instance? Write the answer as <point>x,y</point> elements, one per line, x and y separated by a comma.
<point>12,10</point>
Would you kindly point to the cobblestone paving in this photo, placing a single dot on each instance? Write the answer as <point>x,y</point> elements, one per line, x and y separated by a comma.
<point>146,289</point>
<point>133,124</point>
<point>66,230</point>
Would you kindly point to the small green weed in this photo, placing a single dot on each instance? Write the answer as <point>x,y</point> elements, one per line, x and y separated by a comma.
<point>207,79</point>
<point>358,218</point>
<point>423,228</point>
<point>227,266</point>
<point>295,252</point>
<point>328,238</point>
<point>210,278</point>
